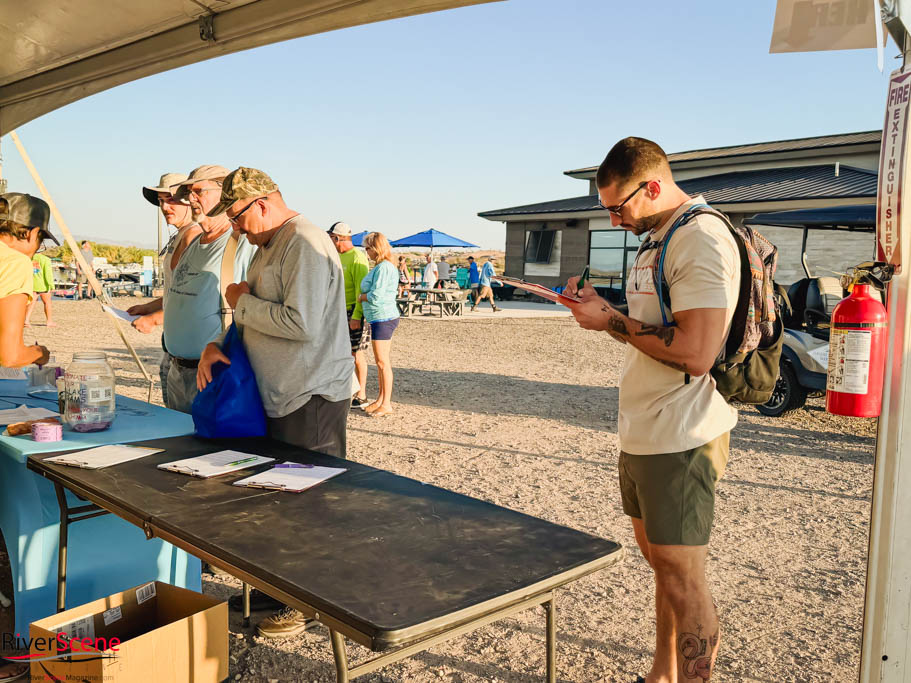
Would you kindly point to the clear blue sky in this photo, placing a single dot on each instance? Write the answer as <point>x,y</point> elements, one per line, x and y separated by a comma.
<point>423,122</point>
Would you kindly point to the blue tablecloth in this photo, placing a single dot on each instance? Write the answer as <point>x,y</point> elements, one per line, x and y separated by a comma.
<point>105,554</point>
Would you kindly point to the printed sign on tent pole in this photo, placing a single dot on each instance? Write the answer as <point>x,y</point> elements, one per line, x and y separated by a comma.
<point>813,25</point>
<point>891,169</point>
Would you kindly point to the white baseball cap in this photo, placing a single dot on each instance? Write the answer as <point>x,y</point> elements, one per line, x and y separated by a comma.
<point>340,229</point>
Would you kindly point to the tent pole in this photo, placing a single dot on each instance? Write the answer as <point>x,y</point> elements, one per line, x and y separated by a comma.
<point>77,254</point>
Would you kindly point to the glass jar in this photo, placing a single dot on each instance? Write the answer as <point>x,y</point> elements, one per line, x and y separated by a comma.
<point>90,392</point>
<point>42,378</point>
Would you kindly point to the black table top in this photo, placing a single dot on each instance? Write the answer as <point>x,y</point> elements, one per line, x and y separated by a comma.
<point>389,557</point>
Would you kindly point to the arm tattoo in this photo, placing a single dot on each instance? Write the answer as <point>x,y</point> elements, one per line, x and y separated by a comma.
<point>665,334</point>
<point>616,327</point>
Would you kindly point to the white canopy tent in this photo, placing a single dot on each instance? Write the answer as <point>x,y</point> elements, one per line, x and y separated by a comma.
<point>53,52</point>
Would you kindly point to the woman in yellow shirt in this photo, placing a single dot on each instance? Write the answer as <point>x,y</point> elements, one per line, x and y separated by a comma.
<point>23,227</point>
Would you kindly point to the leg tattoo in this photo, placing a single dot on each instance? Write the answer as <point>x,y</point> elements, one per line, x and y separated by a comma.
<point>696,653</point>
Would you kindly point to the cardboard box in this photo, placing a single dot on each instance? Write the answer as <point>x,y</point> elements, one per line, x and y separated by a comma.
<point>165,633</point>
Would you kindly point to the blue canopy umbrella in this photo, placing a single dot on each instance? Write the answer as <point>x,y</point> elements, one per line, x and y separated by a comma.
<point>358,238</point>
<point>432,238</point>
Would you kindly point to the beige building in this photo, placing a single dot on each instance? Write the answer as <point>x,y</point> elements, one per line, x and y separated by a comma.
<point>548,242</point>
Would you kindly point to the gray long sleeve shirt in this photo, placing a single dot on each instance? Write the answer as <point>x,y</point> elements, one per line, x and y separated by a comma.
<point>293,322</point>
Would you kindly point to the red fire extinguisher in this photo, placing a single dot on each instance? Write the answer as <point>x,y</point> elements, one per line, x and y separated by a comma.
<point>857,355</point>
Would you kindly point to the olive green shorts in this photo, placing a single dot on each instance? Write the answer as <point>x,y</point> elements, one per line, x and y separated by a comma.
<point>674,493</point>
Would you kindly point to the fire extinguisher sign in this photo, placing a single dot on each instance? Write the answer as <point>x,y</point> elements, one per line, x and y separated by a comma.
<point>891,168</point>
<point>849,361</point>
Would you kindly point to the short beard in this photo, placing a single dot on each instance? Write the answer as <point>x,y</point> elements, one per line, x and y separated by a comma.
<point>644,225</point>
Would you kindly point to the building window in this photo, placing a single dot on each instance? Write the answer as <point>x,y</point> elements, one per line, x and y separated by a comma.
<point>539,245</point>
<point>610,256</point>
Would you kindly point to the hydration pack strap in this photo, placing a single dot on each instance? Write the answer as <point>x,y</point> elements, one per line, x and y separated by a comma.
<point>683,218</point>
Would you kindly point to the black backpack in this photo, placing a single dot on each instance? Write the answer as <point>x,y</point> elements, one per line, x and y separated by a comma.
<point>747,366</point>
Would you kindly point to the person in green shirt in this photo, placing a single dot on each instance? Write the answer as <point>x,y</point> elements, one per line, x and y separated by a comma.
<point>43,276</point>
<point>355,266</point>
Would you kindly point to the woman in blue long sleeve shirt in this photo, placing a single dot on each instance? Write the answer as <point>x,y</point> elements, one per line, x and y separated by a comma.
<point>378,291</point>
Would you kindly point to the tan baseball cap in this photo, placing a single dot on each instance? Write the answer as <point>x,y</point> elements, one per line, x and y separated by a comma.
<point>243,183</point>
<point>340,229</point>
<point>168,180</point>
<point>207,172</point>
<point>27,210</point>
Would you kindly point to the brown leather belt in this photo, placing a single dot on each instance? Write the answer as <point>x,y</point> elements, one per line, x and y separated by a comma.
<point>185,362</point>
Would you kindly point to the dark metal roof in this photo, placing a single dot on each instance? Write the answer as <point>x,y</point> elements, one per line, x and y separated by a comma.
<point>861,218</point>
<point>797,144</point>
<point>763,185</point>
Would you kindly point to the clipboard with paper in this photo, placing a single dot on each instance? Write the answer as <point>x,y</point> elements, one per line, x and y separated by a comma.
<point>103,456</point>
<point>215,464</point>
<point>291,477</point>
<point>538,290</point>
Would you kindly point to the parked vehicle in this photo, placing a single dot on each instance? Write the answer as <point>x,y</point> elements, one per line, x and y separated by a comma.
<point>807,305</point>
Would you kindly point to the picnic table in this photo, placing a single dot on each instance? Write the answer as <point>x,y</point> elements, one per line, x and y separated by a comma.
<point>448,301</point>
<point>107,554</point>
<point>389,562</point>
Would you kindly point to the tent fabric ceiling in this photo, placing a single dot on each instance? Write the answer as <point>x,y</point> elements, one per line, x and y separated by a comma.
<point>54,52</point>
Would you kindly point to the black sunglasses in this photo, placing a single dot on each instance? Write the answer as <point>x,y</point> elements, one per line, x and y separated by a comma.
<point>616,209</point>
<point>233,219</point>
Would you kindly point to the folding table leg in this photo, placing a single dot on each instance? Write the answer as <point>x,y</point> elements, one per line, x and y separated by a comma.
<point>61,548</point>
<point>246,605</point>
<point>341,657</point>
<point>550,607</point>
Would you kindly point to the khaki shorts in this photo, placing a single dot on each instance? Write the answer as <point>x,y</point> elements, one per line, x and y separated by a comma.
<point>674,493</point>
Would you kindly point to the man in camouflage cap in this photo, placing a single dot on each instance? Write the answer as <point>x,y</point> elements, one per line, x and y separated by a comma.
<point>291,311</point>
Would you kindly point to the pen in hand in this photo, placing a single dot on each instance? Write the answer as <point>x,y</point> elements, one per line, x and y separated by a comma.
<point>582,278</point>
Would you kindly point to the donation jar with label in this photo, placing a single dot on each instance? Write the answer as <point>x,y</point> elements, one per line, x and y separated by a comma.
<point>90,396</point>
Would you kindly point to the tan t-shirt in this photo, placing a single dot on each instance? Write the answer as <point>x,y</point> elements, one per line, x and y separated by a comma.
<point>659,412</point>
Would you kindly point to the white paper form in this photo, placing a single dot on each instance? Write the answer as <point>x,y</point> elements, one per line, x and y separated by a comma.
<point>117,313</point>
<point>214,464</point>
<point>103,456</point>
<point>23,414</point>
<point>290,476</point>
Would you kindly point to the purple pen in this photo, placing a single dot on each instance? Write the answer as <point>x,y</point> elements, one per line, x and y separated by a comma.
<point>292,465</point>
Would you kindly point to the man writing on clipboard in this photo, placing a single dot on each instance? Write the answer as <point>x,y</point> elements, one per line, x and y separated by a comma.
<point>674,426</point>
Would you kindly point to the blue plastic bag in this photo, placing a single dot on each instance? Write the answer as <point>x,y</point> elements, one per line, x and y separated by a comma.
<point>230,406</point>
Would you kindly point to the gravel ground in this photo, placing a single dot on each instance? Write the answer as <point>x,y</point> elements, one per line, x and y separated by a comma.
<point>523,412</point>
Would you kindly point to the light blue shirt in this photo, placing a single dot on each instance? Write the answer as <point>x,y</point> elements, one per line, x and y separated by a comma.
<point>380,285</point>
<point>486,274</point>
<point>192,317</point>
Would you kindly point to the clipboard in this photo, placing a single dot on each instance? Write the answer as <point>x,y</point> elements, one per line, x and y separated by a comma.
<point>215,464</point>
<point>290,477</point>
<point>103,456</point>
<point>539,290</point>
